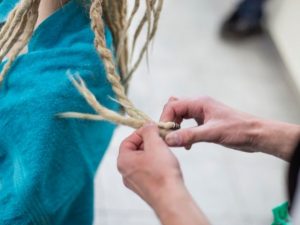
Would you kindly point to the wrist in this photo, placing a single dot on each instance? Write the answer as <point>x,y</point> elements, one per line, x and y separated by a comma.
<point>276,138</point>
<point>167,194</point>
<point>176,206</point>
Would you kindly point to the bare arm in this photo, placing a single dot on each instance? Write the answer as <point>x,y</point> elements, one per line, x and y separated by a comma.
<point>221,124</point>
<point>277,138</point>
<point>177,207</point>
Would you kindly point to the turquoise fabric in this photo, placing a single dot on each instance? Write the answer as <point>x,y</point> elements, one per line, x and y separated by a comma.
<point>47,164</point>
<point>5,7</point>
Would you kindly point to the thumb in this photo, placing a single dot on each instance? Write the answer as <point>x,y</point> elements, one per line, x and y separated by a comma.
<point>187,136</point>
<point>151,138</point>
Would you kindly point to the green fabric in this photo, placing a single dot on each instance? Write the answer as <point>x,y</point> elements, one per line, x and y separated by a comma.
<point>281,215</point>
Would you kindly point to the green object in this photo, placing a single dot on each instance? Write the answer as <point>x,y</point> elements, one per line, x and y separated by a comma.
<point>281,215</point>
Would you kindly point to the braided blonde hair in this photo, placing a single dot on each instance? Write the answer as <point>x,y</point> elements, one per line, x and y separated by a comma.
<point>19,27</point>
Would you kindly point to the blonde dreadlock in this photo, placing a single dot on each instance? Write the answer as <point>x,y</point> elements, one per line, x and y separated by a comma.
<point>19,27</point>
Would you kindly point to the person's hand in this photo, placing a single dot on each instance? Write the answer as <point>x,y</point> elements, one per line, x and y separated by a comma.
<point>217,123</point>
<point>151,170</point>
<point>147,165</point>
<point>223,125</point>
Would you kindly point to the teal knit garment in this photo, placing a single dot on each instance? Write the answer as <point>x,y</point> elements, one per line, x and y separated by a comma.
<point>47,164</point>
<point>5,7</point>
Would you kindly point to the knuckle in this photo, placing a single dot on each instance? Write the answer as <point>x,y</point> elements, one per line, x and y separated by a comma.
<point>189,137</point>
<point>205,99</point>
<point>125,182</point>
<point>146,129</point>
<point>122,145</point>
<point>120,166</point>
<point>172,98</point>
<point>167,106</point>
<point>168,110</point>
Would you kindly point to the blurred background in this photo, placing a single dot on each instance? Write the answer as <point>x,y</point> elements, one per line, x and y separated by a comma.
<point>259,74</point>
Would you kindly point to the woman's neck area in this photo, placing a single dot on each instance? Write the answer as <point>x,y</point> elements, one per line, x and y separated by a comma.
<point>47,7</point>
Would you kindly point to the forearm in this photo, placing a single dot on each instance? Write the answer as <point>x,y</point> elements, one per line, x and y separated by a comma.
<point>175,206</point>
<point>277,138</point>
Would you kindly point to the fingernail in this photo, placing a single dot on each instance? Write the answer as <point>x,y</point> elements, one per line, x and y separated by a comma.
<point>173,139</point>
<point>172,98</point>
<point>188,147</point>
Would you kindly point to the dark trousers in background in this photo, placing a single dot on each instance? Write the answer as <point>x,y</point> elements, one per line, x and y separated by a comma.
<point>252,8</point>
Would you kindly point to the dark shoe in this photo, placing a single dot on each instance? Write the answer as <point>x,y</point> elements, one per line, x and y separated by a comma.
<point>244,22</point>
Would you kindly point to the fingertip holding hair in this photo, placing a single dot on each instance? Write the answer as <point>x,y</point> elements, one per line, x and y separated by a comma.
<point>173,139</point>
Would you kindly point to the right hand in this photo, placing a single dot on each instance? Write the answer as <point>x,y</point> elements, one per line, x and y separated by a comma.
<point>220,124</point>
<point>217,123</point>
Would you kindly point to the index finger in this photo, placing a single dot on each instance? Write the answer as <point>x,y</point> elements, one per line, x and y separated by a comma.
<point>178,110</point>
<point>152,140</point>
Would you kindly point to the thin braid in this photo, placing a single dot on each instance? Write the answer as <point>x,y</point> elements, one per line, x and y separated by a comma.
<point>29,28</point>
<point>100,44</point>
<point>149,21</point>
<point>115,6</point>
<point>18,29</point>
<point>114,18</point>
<point>116,26</point>
<point>123,39</point>
<point>9,26</point>
<point>141,26</point>
<point>14,20</point>
<point>124,57</point>
<point>137,34</point>
<point>14,37</point>
<point>5,27</point>
<point>107,114</point>
<point>145,47</point>
<point>133,13</point>
<point>101,110</point>
<point>121,13</point>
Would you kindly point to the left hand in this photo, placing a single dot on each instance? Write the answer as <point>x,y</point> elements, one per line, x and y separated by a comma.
<point>148,166</point>
<point>151,170</point>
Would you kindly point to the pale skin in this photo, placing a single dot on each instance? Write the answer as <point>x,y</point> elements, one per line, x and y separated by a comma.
<point>47,7</point>
<point>150,169</point>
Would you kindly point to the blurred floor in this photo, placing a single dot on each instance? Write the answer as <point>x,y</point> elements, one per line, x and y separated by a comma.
<point>189,59</point>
